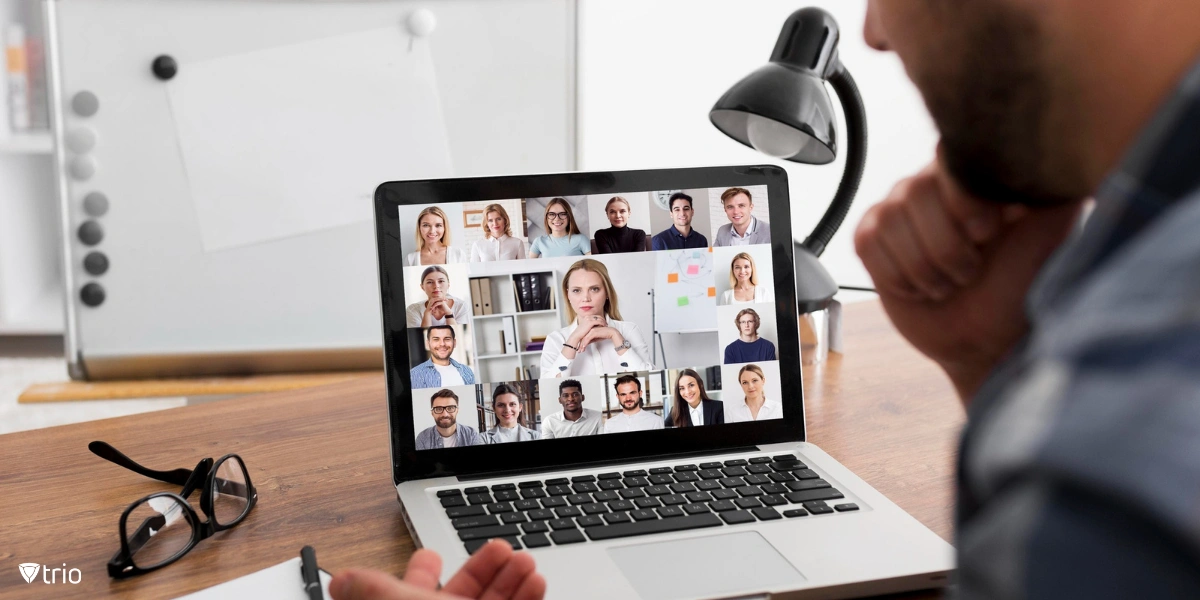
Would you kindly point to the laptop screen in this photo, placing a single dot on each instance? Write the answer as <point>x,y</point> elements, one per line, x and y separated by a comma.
<point>630,312</point>
<point>579,315</point>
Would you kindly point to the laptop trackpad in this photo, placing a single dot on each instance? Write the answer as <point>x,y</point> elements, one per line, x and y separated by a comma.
<point>735,563</point>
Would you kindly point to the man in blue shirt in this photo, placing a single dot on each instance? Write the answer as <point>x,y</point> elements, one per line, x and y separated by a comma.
<point>680,235</point>
<point>749,347</point>
<point>441,370</point>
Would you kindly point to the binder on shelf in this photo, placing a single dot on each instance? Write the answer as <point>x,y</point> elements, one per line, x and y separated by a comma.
<point>535,292</point>
<point>476,297</point>
<point>524,299</point>
<point>485,292</point>
<point>509,335</point>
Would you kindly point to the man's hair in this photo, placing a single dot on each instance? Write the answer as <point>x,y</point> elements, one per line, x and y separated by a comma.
<point>679,196</point>
<point>733,191</point>
<point>443,393</point>
<point>429,331</point>
<point>570,383</point>
<point>747,311</point>
<point>622,380</point>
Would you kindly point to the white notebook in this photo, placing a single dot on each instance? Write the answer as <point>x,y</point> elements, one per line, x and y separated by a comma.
<point>280,582</point>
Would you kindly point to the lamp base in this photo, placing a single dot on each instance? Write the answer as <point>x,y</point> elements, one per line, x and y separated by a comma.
<point>815,287</point>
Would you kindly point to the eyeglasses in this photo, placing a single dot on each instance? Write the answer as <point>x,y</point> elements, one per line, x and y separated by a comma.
<point>159,529</point>
<point>554,216</point>
<point>437,410</point>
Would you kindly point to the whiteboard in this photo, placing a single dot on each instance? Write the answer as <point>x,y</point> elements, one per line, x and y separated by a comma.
<point>168,293</point>
<point>684,291</point>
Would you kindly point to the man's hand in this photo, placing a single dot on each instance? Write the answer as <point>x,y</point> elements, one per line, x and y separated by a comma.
<point>952,270</point>
<point>494,572</point>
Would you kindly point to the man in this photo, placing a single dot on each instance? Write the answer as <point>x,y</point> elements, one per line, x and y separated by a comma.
<point>631,417</point>
<point>743,229</point>
<point>574,420</point>
<point>441,370</point>
<point>446,433</point>
<point>1079,474</point>
<point>680,235</point>
<point>506,405</point>
<point>749,347</point>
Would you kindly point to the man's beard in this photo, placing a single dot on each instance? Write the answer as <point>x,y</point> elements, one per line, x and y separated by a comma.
<point>994,110</point>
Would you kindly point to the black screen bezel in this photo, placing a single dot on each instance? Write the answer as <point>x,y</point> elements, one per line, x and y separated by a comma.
<point>409,464</point>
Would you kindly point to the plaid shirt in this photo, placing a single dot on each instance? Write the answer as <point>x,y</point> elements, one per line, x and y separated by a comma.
<point>1079,471</point>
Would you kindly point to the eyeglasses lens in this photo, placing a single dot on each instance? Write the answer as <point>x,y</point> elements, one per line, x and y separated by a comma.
<point>231,494</point>
<point>157,530</point>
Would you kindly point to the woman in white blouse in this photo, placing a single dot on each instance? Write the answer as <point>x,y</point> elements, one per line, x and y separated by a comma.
<point>439,308</point>
<point>597,340</point>
<point>743,283</point>
<point>497,242</point>
<point>433,241</point>
<point>756,406</point>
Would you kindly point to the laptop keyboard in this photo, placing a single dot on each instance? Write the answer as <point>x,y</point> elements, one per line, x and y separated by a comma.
<point>560,510</point>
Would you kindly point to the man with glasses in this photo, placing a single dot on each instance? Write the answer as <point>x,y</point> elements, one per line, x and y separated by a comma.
<point>574,420</point>
<point>441,370</point>
<point>447,433</point>
<point>749,347</point>
<point>680,235</point>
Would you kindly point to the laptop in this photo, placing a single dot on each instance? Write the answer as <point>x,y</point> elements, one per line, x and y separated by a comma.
<point>602,369</point>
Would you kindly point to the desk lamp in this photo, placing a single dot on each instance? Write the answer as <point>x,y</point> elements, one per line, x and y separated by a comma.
<point>784,111</point>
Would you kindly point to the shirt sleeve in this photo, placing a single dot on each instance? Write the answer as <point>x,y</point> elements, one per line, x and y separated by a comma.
<point>554,364</point>
<point>476,252</point>
<point>520,248</point>
<point>415,311</point>
<point>582,244</point>
<point>536,247</point>
<point>656,243</point>
<point>462,314</point>
<point>636,356</point>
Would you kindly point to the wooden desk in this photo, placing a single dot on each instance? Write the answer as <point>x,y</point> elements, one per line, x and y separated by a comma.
<point>319,458</point>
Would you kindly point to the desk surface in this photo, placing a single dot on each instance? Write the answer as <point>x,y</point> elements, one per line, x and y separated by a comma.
<point>319,458</point>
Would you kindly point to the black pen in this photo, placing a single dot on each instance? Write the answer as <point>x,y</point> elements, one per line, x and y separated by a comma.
<point>308,570</point>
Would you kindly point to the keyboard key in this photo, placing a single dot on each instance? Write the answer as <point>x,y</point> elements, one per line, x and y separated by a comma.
<point>647,503</point>
<point>710,465</point>
<point>504,487</point>
<point>637,473</point>
<point>698,497</point>
<point>535,540</point>
<point>475,521</point>
<point>660,479</point>
<point>612,484</point>
<point>686,476</point>
<point>759,469</point>
<point>594,508</point>
<point>450,501</point>
<point>584,488</point>
<point>734,471</point>
<point>479,489</point>
<point>658,490</point>
<point>668,512</point>
<point>707,485</point>
<point>785,458</point>
<point>483,533</point>
<point>724,494</point>
<point>578,499</point>
<point>567,536</point>
<point>513,517</point>
<point>535,527</point>
<point>524,505</point>
<point>605,496</point>
<point>748,491</point>
<point>559,524</point>
<point>737,462</point>
<point>620,505</point>
<point>747,503</point>
<point>737,517</point>
<point>757,479</point>
<point>673,500</point>
<point>847,507</point>
<point>795,512</point>
<point>583,479</point>
<point>559,490</point>
<point>589,521</point>
<point>686,468</point>
<point>773,488</point>
<point>810,495</point>
<point>733,482</point>
<point>683,488</point>
<point>620,517</point>
<point>499,508</point>
<point>568,511</point>
<point>506,495</point>
<point>540,515</point>
<point>805,474</point>
<point>554,502</point>
<point>631,482</point>
<point>631,493</point>
<point>695,509</point>
<point>818,507</point>
<point>711,474</point>
<point>758,460</point>
<point>766,513</point>
<point>807,484</point>
<point>479,499</point>
<point>788,466</point>
<point>474,545</point>
<point>773,500</point>
<point>455,512</point>
<point>660,470</point>
<point>621,530</point>
<point>557,481</point>
<point>609,475</point>
<point>533,493</point>
<point>722,506</point>
<point>642,515</point>
<point>781,477</point>
<point>448,493</point>
<point>529,484</point>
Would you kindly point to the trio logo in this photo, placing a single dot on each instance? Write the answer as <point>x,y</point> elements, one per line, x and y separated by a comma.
<point>29,571</point>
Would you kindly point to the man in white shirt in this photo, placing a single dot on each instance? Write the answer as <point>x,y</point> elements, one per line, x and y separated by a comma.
<point>743,229</point>
<point>631,417</point>
<point>441,370</point>
<point>574,420</point>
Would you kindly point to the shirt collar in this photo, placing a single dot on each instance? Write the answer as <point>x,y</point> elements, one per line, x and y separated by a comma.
<point>749,230</point>
<point>675,231</point>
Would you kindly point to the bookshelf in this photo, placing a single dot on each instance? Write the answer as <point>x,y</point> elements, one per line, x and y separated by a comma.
<point>502,335</point>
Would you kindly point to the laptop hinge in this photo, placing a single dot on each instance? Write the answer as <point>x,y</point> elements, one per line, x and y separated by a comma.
<point>600,463</point>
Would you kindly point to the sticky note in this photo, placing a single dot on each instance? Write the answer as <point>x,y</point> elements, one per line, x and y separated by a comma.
<point>693,269</point>
<point>672,277</point>
<point>683,301</point>
<point>712,292</point>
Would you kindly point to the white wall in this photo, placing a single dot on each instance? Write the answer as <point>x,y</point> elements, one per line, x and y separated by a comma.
<point>701,48</point>
<point>639,211</point>
<point>467,412</point>
<point>727,330</point>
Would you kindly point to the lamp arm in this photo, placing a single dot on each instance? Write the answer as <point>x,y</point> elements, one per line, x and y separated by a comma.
<point>856,159</point>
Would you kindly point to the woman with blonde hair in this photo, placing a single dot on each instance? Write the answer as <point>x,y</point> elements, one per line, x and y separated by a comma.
<point>433,240</point>
<point>497,242</point>
<point>619,237</point>
<point>756,406</point>
<point>692,406</point>
<point>597,340</point>
<point>743,283</point>
<point>562,237</point>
